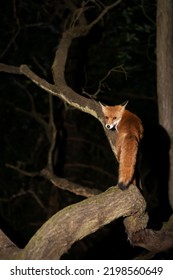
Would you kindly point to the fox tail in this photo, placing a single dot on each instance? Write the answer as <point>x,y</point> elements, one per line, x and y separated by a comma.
<point>127,162</point>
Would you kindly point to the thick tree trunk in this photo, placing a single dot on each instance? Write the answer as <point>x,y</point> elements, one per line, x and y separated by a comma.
<point>165,75</point>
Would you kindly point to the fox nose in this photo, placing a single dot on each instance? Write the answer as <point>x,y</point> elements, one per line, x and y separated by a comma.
<point>108,126</point>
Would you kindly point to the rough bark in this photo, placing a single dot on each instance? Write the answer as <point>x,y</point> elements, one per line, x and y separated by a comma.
<point>8,250</point>
<point>165,75</point>
<point>76,221</point>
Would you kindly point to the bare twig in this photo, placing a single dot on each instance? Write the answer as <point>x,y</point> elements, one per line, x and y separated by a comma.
<point>104,12</point>
<point>61,183</point>
<point>53,133</point>
<point>23,172</point>
<point>119,69</point>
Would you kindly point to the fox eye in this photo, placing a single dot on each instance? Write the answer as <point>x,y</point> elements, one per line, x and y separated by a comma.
<point>106,117</point>
<point>114,118</point>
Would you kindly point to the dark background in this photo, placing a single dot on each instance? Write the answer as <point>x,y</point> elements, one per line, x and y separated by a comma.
<point>30,32</point>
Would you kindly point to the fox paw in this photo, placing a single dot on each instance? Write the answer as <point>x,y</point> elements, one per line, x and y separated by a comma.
<point>122,186</point>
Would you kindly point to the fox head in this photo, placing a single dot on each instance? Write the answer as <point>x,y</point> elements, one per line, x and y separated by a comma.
<point>113,115</point>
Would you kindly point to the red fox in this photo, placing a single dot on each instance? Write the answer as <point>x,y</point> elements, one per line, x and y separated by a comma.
<point>128,133</point>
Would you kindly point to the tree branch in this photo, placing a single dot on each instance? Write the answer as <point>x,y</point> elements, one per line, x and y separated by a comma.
<point>8,249</point>
<point>155,241</point>
<point>60,87</point>
<point>72,223</point>
<point>64,184</point>
<point>67,226</point>
<point>61,183</point>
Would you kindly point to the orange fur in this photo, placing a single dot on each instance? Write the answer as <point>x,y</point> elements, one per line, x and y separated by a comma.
<point>129,131</point>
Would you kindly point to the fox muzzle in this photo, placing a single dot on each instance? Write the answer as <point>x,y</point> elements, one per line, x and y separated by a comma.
<point>110,126</point>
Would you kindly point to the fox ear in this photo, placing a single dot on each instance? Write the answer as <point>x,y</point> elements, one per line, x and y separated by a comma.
<point>124,104</point>
<point>102,105</point>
